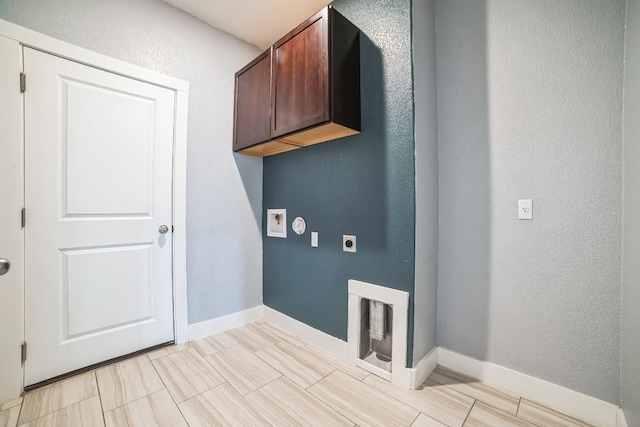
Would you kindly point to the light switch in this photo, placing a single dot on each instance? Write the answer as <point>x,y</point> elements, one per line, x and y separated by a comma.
<point>314,239</point>
<point>525,209</point>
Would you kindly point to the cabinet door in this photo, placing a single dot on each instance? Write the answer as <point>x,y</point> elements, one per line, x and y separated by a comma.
<point>253,103</point>
<point>301,77</point>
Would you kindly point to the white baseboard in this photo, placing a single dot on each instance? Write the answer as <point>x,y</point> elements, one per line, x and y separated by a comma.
<point>320,339</point>
<point>587,408</point>
<point>424,368</point>
<point>621,421</point>
<point>223,323</point>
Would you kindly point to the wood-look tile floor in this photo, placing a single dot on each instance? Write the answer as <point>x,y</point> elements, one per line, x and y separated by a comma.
<point>259,375</point>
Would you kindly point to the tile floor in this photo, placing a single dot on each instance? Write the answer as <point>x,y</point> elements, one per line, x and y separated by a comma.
<point>259,375</point>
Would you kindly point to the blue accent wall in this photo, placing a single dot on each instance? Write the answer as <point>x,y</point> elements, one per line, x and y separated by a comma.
<point>362,185</point>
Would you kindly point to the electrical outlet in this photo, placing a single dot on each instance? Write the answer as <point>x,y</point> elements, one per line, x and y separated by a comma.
<point>314,239</point>
<point>349,243</point>
<point>525,209</point>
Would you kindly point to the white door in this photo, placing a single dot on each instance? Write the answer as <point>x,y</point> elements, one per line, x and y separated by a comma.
<point>98,185</point>
<point>10,227</point>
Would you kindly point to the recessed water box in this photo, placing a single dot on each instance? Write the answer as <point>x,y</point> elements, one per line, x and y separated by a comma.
<point>277,223</point>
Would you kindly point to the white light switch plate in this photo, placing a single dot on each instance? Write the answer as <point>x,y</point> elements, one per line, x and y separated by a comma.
<point>314,239</point>
<point>525,209</point>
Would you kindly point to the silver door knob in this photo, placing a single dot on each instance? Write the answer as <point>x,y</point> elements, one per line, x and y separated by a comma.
<point>163,229</point>
<point>5,265</point>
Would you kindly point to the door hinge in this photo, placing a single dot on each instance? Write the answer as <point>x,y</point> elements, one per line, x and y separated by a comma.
<point>23,217</point>
<point>23,82</point>
<point>23,352</point>
<point>172,228</point>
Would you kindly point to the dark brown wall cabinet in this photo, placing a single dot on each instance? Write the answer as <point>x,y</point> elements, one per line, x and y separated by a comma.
<point>304,90</point>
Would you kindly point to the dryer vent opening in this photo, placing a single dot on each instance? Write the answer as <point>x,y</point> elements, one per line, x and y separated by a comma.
<point>376,333</point>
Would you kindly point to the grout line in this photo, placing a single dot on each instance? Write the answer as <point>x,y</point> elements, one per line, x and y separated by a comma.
<point>389,396</point>
<point>143,397</point>
<point>264,385</point>
<point>255,408</point>
<point>135,400</point>
<point>52,385</point>
<point>320,402</point>
<point>199,394</point>
<point>20,411</point>
<point>187,347</point>
<point>216,350</point>
<point>226,380</point>
<point>295,349</point>
<point>470,409</point>
<point>486,388</point>
<point>180,410</point>
<point>203,392</point>
<point>126,403</point>
<point>316,382</point>
<point>279,371</point>
<point>104,419</point>
<point>161,379</point>
<point>64,407</point>
<point>414,420</point>
<point>240,342</point>
<point>11,400</point>
<point>182,413</point>
<point>285,335</point>
<point>334,361</point>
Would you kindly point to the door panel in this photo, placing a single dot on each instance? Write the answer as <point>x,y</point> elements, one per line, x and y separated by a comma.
<point>109,156</point>
<point>11,202</point>
<point>98,184</point>
<point>127,287</point>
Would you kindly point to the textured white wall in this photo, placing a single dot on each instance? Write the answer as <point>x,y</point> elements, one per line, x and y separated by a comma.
<point>426,158</point>
<point>630,341</point>
<point>224,192</point>
<point>530,96</point>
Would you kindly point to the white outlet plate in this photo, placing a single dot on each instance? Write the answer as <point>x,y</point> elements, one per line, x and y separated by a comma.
<point>525,209</point>
<point>314,239</point>
<point>346,238</point>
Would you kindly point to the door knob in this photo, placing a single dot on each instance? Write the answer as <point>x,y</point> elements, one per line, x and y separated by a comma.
<point>163,229</point>
<point>5,265</point>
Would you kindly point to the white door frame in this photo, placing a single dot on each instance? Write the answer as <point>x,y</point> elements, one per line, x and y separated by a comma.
<point>56,47</point>
<point>11,233</point>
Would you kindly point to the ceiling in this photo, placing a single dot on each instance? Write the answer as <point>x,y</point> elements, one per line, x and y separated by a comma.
<point>259,22</point>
